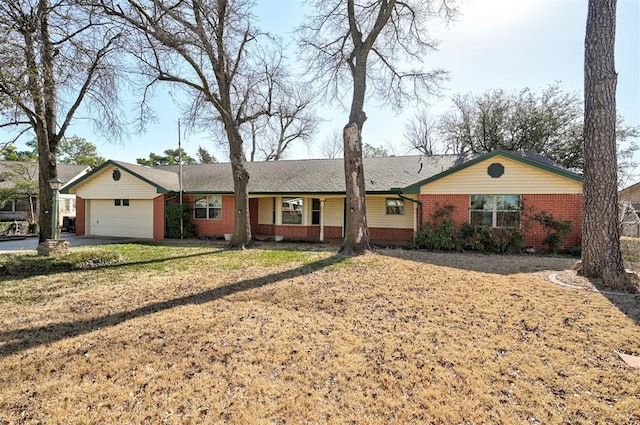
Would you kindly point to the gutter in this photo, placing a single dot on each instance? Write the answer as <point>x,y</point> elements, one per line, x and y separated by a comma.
<point>398,191</point>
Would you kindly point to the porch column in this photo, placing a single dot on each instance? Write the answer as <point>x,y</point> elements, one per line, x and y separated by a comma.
<point>322,200</point>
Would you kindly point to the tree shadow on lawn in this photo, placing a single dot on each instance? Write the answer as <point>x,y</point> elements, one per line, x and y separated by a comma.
<point>21,339</point>
<point>627,303</point>
<point>484,263</point>
<point>69,268</point>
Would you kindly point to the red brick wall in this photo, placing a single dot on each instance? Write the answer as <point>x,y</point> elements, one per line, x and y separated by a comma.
<point>432,203</point>
<point>297,232</point>
<point>382,234</point>
<point>560,206</point>
<point>332,231</point>
<point>80,216</point>
<point>216,228</point>
<point>158,218</point>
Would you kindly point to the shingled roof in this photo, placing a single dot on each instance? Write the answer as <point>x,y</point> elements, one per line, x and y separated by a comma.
<point>66,172</point>
<point>312,175</point>
<point>383,175</point>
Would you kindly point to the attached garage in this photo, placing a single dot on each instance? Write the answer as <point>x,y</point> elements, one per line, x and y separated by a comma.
<point>120,217</point>
<point>138,210</point>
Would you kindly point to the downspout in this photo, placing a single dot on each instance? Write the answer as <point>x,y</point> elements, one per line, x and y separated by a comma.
<point>398,192</point>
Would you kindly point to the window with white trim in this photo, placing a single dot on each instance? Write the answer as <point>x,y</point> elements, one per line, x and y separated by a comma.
<point>208,207</point>
<point>495,210</point>
<point>292,210</point>
<point>395,206</point>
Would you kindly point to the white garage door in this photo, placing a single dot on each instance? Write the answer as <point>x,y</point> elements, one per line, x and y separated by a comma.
<point>107,218</point>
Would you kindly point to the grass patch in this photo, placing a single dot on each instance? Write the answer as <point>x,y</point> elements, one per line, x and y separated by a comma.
<point>294,336</point>
<point>25,265</point>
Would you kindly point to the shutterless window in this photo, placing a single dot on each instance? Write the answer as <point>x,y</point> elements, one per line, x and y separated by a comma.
<point>395,206</point>
<point>121,202</point>
<point>291,210</point>
<point>315,211</point>
<point>495,210</point>
<point>208,207</point>
<point>7,206</point>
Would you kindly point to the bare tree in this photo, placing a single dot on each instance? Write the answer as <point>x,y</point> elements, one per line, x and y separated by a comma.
<point>332,145</point>
<point>291,120</point>
<point>56,58</point>
<point>421,133</point>
<point>212,50</point>
<point>352,44</point>
<point>601,257</point>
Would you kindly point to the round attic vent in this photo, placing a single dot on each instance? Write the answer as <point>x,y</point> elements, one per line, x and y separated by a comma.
<point>116,175</point>
<point>495,170</point>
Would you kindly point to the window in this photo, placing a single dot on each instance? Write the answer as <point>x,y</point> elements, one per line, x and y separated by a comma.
<point>291,210</point>
<point>22,205</point>
<point>121,202</point>
<point>273,218</point>
<point>495,210</point>
<point>315,211</point>
<point>395,206</point>
<point>125,202</point>
<point>208,207</point>
<point>19,205</point>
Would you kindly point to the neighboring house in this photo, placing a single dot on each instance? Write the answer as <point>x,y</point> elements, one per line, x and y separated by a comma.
<point>12,172</point>
<point>631,194</point>
<point>305,199</point>
<point>629,203</point>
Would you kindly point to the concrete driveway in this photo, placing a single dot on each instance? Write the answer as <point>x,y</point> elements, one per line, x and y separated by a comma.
<point>32,243</point>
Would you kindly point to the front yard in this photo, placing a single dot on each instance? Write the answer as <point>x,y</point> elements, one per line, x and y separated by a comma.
<point>195,334</point>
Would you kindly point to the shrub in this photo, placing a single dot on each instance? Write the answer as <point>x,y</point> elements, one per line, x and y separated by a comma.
<point>173,214</point>
<point>34,228</point>
<point>436,237</point>
<point>442,235</point>
<point>557,230</point>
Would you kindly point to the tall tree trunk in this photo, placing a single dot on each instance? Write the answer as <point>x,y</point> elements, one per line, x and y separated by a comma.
<point>242,230</point>
<point>601,257</point>
<point>48,170</point>
<point>356,233</point>
<point>45,105</point>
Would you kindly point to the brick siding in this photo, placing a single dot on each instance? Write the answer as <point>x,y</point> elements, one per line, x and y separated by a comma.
<point>560,206</point>
<point>80,216</point>
<point>215,228</point>
<point>158,218</point>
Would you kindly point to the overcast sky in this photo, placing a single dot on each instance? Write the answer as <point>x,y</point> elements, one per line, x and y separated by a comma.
<point>496,44</point>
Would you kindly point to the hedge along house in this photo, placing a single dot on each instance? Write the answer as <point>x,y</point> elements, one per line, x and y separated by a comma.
<point>305,199</point>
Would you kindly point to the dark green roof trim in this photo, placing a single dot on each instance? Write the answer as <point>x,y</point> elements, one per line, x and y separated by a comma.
<point>299,192</point>
<point>415,188</point>
<point>159,189</point>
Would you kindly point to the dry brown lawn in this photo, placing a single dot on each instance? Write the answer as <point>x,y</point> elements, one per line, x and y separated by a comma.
<point>304,336</point>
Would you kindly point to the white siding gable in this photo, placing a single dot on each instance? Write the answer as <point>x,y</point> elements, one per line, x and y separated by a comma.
<point>518,178</point>
<point>103,186</point>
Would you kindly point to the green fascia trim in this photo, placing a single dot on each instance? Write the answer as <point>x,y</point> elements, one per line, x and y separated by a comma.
<point>209,192</point>
<point>381,192</point>
<point>296,193</point>
<point>159,189</point>
<point>415,188</point>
